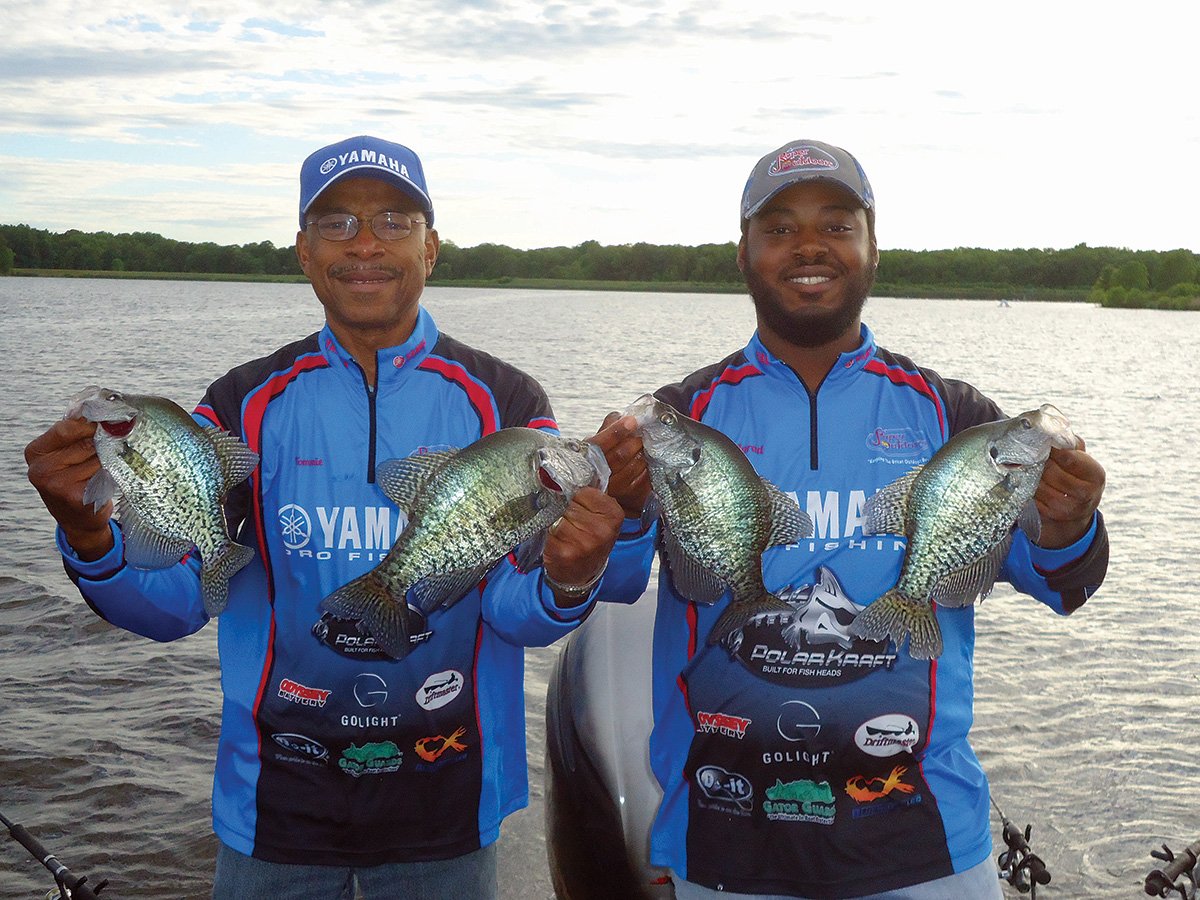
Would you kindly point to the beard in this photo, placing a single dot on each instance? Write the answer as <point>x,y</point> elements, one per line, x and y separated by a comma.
<point>809,328</point>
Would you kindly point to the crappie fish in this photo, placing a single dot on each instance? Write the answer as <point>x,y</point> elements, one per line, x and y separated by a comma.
<point>957,512</point>
<point>719,515</point>
<point>466,510</point>
<point>167,477</point>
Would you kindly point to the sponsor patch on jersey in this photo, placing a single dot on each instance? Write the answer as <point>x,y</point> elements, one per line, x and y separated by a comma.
<point>800,801</point>
<point>439,689</point>
<point>724,791</point>
<point>302,745</point>
<point>348,638</point>
<point>812,646</point>
<point>882,793</point>
<point>888,735</point>
<point>722,723</point>
<point>372,758</point>
<point>302,694</point>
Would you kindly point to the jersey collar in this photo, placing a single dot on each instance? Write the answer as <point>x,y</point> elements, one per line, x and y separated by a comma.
<point>847,365</point>
<point>392,363</point>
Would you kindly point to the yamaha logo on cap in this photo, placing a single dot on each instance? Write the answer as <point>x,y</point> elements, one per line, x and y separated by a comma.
<point>366,156</point>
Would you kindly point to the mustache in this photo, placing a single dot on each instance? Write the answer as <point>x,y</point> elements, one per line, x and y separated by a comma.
<point>347,268</point>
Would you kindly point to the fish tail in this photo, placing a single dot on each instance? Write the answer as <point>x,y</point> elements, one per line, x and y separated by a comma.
<point>739,613</point>
<point>215,574</point>
<point>368,599</point>
<point>896,617</point>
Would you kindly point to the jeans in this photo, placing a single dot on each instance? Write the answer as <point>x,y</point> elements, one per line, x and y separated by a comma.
<point>241,877</point>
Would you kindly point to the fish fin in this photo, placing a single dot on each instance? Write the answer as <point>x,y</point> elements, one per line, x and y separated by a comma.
<point>789,523</point>
<point>976,579</point>
<point>100,489</point>
<point>237,460</point>
<point>1030,521</point>
<point>691,579</point>
<point>215,575</point>
<point>651,511</point>
<point>528,553</point>
<point>523,508</point>
<point>392,623</point>
<point>884,512</point>
<point>447,588</point>
<point>894,617</point>
<point>146,547</point>
<point>402,480</point>
<point>737,615</point>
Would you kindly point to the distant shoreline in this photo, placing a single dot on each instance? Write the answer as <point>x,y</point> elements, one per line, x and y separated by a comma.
<point>934,292</point>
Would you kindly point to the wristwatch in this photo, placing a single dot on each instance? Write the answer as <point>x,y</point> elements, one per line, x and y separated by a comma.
<point>574,591</point>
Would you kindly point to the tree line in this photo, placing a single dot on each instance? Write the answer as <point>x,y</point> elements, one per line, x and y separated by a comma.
<point>1111,275</point>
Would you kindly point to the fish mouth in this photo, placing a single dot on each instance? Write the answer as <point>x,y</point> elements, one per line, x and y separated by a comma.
<point>118,429</point>
<point>583,465</point>
<point>546,477</point>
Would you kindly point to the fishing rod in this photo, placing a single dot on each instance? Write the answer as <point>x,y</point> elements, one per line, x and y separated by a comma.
<point>70,886</point>
<point>1019,865</point>
<point>1165,881</point>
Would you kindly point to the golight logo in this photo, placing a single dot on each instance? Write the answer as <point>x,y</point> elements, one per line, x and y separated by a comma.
<point>370,690</point>
<point>295,526</point>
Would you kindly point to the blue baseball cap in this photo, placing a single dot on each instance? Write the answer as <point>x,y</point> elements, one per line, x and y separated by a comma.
<point>800,161</point>
<point>364,156</point>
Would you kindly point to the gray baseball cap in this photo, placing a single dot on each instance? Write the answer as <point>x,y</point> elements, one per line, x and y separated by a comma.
<point>799,161</point>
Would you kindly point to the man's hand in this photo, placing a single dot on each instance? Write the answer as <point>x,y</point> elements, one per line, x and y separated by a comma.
<point>1068,496</point>
<point>61,462</point>
<point>629,483</point>
<point>578,544</point>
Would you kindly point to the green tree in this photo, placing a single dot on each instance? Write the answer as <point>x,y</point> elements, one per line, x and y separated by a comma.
<point>1133,275</point>
<point>6,258</point>
<point>1175,267</point>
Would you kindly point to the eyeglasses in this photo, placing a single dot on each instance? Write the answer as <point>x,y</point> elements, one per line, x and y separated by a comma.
<point>387,226</point>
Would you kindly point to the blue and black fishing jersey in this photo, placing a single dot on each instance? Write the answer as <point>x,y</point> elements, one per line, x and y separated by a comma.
<point>810,762</point>
<point>331,752</point>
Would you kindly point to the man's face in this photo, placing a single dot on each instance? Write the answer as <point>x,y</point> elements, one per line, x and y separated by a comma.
<point>809,264</point>
<point>370,288</point>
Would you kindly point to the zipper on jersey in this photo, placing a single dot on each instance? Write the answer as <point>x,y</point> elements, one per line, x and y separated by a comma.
<point>371,392</point>
<point>813,454</point>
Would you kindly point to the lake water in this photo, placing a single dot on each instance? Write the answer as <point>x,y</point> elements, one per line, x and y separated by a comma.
<point>1086,725</point>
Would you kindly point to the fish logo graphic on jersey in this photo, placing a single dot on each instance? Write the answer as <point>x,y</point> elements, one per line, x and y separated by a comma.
<point>812,647</point>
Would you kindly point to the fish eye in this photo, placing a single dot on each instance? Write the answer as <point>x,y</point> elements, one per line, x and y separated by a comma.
<point>1026,424</point>
<point>667,418</point>
<point>993,452</point>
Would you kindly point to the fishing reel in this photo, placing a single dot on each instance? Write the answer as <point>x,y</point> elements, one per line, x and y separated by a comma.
<point>1019,865</point>
<point>1179,875</point>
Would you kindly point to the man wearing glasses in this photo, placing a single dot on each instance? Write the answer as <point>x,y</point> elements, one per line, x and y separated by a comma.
<point>339,767</point>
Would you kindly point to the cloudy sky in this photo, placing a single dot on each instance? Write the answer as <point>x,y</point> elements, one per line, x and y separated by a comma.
<point>1010,124</point>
